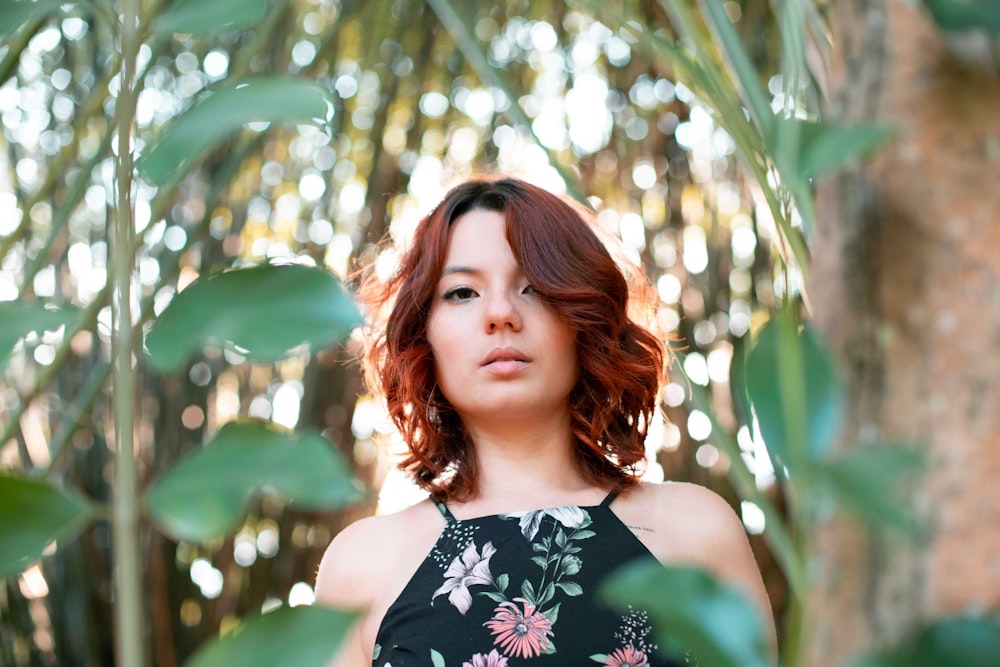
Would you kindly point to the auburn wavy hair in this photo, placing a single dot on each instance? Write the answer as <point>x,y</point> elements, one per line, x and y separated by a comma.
<point>621,362</point>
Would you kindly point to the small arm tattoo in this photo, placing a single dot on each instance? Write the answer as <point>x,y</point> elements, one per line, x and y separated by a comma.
<point>642,529</point>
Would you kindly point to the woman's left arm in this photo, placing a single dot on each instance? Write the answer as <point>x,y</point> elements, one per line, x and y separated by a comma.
<point>699,527</point>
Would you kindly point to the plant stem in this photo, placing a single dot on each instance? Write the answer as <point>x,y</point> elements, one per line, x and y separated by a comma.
<point>125,519</point>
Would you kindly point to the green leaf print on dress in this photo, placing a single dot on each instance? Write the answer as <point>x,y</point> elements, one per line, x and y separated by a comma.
<point>523,621</point>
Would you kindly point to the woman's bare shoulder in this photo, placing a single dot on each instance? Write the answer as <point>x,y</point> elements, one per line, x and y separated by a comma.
<point>684,523</point>
<point>368,553</point>
<point>685,501</point>
<point>688,522</point>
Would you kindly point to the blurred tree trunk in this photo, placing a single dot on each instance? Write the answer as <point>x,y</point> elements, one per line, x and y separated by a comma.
<point>906,279</point>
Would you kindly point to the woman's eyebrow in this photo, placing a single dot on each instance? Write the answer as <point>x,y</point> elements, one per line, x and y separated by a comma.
<point>448,270</point>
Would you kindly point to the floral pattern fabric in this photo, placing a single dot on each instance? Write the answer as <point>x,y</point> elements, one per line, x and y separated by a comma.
<point>519,589</point>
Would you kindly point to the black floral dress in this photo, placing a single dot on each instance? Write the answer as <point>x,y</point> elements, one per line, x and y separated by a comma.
<point>519,589</point>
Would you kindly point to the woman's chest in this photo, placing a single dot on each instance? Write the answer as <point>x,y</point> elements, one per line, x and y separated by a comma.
<point>518,589</point>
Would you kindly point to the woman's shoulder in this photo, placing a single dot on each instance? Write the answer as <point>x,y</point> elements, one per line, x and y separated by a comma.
<point>369,552</point>
<point>684,523</point>
<point>669,499</point>
<point>681,521</point>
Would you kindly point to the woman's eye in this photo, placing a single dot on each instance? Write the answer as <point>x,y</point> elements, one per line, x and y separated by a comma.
<point>530,289</point>
<point>459,294</point>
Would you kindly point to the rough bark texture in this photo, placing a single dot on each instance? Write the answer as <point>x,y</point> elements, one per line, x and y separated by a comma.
<point>906,279</point>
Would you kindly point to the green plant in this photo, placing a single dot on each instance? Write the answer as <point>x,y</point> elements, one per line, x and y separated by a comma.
<point>234,309</point>
<point>364,90</point>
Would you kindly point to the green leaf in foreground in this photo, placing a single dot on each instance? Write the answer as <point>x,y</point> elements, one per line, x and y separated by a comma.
<point>969,642</point>
<point>265,311</point>
<point>868,480</point>
<point>18,319</point>
<point>738,382</point>
<point>827,146</point>
<point>198,17</point>
<point>206,494</point>
<point>965,14</point>
<point>804,150</point>
<point>33,514</point>
<point>691,612</point>
<point>300,636</point>
<point>225,110</point>
<point>788,368</point>
<point>15,13</point>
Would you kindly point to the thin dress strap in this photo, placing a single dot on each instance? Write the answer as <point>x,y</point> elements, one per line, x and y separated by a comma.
<point>445,512</point>
<point>608,499</point>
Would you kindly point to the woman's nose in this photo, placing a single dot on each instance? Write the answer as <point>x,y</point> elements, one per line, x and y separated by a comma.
<point>502,313</point>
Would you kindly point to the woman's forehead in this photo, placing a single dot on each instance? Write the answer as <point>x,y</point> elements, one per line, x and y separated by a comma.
<point>477,239</point>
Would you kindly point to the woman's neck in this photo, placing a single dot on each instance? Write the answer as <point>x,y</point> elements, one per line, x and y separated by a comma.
<point>527,468</point>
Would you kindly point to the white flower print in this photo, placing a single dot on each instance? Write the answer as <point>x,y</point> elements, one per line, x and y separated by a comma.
<point>469,569</point>
<point>569,516</point>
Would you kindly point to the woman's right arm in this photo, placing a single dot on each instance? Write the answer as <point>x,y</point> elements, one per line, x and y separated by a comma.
<point>367,566</point>
<point>347,577</point>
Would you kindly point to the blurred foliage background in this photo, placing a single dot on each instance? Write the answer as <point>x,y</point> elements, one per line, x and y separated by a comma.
<point>618,105</point>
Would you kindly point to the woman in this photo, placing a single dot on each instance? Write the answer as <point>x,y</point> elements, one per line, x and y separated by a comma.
<point>523,390</point>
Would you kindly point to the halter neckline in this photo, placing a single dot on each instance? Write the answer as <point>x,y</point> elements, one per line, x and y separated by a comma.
<point>449,517</point>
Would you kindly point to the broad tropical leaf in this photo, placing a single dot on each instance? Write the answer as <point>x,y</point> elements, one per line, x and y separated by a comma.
<point>206,495</point>
<point>970,642</point>
<point>264,310</point>
<point>259,99</point>
<point>965,14</point>
<point>198,17</point>
<point>33,514</point>
<point>795,391</point>
<point>692,612</point>
<point>15,13</point>
<point>867,481</point>
<point>18,319</point>
<point>300,636</point>
<point>823,147</point>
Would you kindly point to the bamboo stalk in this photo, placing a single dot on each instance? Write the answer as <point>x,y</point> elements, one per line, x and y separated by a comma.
<point>125,511</point>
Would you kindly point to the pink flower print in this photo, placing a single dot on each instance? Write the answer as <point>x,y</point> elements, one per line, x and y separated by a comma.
<point>469,569</point>
<point>520,633</point>
<point>494,659</point>
<point>626,657</point>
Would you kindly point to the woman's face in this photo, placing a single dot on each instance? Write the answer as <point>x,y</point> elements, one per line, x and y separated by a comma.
<point>500,352</point>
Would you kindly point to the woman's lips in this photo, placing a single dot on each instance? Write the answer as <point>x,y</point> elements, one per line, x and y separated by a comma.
<point>504,367</point>
<point>503,354</point>
<point>505,361</point>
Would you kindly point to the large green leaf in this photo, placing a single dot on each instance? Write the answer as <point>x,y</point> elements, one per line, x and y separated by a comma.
<point>744,483</point>
<point>206,494</point>
<point>965,14</point>
<point>795,391</point>
<point>969,642</point>
<point>198,17</point>
<point>803,150</point>
<point>823,147</point>
<point>15,13</point>
<point>264,310</point>
<point>225,110</point>
<point>33,514</point>
<point>738,382</point>
<point>18,319</point>
<point>300,636</point>
<point>868,481</point>
<point>692,612</point>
